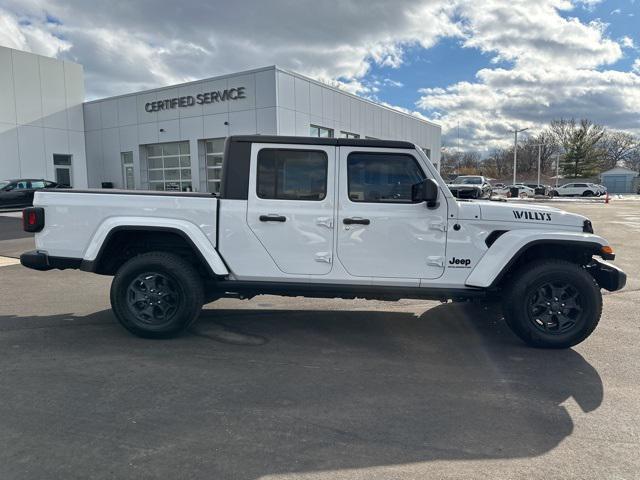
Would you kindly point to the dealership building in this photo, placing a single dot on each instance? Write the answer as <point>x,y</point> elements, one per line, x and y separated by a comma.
<point>170,138</point>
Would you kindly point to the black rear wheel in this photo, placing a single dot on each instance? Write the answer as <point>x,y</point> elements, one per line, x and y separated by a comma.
<point>552,304</point>
<point>156,295</point>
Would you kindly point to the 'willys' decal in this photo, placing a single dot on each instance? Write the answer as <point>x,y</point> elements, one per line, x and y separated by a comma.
<point>526,215</point>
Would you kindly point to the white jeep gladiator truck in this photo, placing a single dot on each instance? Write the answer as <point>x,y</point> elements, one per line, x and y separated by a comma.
<point>326,217</point>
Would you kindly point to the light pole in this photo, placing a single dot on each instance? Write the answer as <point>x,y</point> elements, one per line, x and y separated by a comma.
<point>515,151</point>
<point>539,145</point>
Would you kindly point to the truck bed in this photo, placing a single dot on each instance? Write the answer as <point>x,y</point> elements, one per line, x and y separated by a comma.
<point>76,219</point>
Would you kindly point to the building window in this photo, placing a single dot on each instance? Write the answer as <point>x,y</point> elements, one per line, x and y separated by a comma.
<point>62,168</point>
<point>128,180</point>
<point>427,152</point>
<point>169,166</point>
<point>292,174</point>
<point>214,152</point>
<point>382,177</point>
<point>322,132</point>
<point>344,134</point>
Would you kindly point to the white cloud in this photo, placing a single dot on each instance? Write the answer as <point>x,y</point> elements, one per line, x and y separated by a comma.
<point>550,64</point>
<point>535,33</point>
<point>29,37</point>
<point>627,42</point>
<point>636,65</point>
<point>556,71</point>
<point>502,99</point>
<point>125,47</point>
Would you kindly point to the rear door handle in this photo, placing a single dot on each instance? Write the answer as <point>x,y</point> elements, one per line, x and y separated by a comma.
<point>273,218</point>
<point>356,221</point>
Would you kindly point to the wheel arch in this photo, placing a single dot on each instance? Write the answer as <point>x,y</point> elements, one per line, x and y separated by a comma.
<point>507,254</point>
<point>112,245</point>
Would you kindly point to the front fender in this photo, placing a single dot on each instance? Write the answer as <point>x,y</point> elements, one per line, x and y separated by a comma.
<point>188,230</point>
<point>509,246</point>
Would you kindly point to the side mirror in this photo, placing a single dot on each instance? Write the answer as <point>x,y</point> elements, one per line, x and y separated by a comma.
<point>425,191</point>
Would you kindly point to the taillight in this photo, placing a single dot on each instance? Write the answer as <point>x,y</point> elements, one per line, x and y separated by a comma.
<point>33,219</point>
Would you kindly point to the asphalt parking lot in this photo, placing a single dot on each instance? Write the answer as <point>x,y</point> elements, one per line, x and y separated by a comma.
<point>313,389</point>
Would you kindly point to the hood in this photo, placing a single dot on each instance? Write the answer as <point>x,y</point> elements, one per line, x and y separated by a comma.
<point>532,214</point>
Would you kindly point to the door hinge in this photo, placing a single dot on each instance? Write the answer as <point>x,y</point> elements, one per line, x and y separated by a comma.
<point>435,261</point>
<point>438,226</point>
<point>323,257</point>
<point>326,221</point>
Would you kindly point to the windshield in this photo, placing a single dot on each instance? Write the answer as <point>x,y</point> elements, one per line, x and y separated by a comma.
<point>3,183</point>
<point>468,180</point>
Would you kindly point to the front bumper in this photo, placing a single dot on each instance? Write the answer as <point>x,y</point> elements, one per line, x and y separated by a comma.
<point>38,260</point>
<point>607,275</point>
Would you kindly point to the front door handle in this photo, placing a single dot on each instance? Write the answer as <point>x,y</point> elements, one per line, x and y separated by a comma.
<point>356,221</point>
<point>273,218</point>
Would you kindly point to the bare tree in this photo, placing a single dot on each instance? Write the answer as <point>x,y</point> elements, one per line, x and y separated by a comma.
<point>632,160</point>
<point>617,148</point>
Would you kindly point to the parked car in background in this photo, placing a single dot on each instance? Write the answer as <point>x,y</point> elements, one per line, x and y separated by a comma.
<point>576,190</point>
<point>19,193</point>
<point>470,186</point>
<point>539,189</point>
<point>523,190</point>
<point>602,190</point>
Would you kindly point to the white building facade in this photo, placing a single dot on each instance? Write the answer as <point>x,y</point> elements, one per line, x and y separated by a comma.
<point>41,118</point>
<point>172,138</point>
<point>169,138</point>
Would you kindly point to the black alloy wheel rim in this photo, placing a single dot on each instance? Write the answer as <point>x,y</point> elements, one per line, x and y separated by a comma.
<point>555,308</point>
<point>153,298</point>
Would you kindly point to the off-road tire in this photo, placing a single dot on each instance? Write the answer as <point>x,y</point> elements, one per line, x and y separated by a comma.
<point>525,284</point>
<point>184,285</point>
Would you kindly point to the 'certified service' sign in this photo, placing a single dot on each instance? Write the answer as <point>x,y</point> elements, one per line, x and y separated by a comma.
<point>199,99</point>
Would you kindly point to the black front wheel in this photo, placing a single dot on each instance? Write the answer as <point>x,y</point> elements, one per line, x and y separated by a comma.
<point>156,295</point>
<point>552,304</point>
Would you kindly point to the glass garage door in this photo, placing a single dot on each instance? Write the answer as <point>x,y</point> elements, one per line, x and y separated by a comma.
<point>169,166</point>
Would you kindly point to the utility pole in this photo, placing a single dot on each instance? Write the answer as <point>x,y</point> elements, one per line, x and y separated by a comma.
<point>458,150</point>
<point>539,145</point>
<point>557,167</point>
<point>515,151</point>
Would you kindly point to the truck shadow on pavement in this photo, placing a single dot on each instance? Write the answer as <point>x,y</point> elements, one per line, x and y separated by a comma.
<point>318,390</point>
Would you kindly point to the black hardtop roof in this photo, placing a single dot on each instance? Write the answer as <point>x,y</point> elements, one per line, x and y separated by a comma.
<point>339,142</point>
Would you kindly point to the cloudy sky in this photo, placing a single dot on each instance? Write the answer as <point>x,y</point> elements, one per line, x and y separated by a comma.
<point>477,68</point>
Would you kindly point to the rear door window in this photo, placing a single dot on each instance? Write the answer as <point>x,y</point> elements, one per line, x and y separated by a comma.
<point>292,174</point>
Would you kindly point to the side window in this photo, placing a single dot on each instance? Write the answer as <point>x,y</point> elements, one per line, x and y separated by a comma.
<point>292,174</point>
<point>382,177</point>
<point>21,185</point>
<point>37,184</point>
